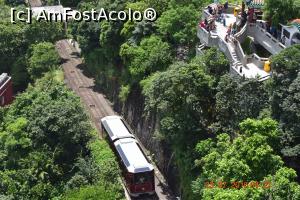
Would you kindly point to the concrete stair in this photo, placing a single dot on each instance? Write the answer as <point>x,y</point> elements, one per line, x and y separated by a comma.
<point>200,48</point>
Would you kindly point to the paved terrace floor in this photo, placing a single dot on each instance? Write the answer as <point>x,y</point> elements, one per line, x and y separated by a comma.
<point>221,29</point>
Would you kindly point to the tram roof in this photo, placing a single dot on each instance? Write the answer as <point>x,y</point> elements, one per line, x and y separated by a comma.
<point>116,128</point>
<point>4,78</point>
<point>132,156</point>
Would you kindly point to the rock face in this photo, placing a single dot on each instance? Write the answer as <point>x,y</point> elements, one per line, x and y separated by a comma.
<point>144,127</point>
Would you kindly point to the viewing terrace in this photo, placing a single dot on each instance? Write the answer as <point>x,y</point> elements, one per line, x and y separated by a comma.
<point>248,66</point>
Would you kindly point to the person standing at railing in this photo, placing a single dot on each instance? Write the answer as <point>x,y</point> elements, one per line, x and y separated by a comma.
<point>210,10</point>
<point>244,18</point>
<point>224,19</point>
<point>261,24</point>
<point>268,27</point>
<point>250,14</point>
<point>214,13</point>
<point>228,33</point>
<point>272,30</point>
<point>283,39</point>
<point>206,26</point>
<point>225,6</point>
<point>220,12</point>
<point>234,28</point>
<point>202,24</point>
<point>254,17</point>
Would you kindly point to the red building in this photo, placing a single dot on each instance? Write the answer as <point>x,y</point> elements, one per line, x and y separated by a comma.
<point>6,90</point>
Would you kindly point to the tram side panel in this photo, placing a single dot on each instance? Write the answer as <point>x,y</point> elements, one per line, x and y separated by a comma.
<point>137,172</point>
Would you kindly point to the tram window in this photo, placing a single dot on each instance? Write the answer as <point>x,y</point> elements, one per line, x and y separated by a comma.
<point>129,178</point>
<point>144,177</point>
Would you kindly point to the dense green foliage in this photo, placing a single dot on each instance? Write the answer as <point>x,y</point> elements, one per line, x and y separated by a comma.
<point>219,127</point>
<point>281,11</point>
<point>36,131</point>
<point>236,100</point>
<point>178,24</point>
<point>255,156</point>
<point>92,192</point>
<point>197,100</point>
<point>150,56</point>
<point>69,3</point>
<point>285,93</point>
<point>183,97</point>
<point>47,146</point>
<point>44,153</point>
<point>105,176</point>
<point>43,58</point>
<point>16,41</point>
<point>184,89</point>
<point>248,158</point>
<point>130,50</point>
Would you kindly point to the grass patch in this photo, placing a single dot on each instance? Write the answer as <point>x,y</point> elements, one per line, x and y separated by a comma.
<point>92,192</point>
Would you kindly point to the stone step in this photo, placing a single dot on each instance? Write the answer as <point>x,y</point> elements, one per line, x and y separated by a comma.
<point>264,78</point>
<point>201,46</point>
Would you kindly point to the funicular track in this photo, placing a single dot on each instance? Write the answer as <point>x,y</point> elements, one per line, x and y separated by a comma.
<point>98,106</point>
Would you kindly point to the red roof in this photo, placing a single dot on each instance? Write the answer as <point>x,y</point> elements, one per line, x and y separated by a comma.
<point>296,21</point>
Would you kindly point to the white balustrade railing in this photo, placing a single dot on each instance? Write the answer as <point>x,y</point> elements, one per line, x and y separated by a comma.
<point>241,60</point>
<point>265,39</point>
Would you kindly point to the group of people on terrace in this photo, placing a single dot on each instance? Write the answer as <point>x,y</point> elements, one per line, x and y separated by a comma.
<point>231,31</point>
<point>224,19</point>
<point>217,14</point>
<point>219,11</point>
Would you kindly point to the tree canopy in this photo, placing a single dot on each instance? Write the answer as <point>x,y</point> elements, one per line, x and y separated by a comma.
<point>48,146</point>
<point>42,58</point>
<point>236,100</point>
<point>16,40</point>
<point>213,127</point>
<point>182,98</point>
<point>234,167</point>
<point>151,55</point>
<point>178,24</point>
<point>281,11</point>
<point>284,95</point>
